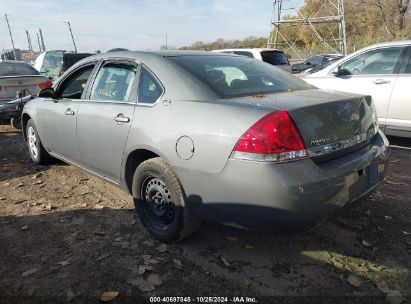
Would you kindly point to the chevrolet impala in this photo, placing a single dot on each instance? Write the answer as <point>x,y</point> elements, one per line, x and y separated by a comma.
<point>201,135</point>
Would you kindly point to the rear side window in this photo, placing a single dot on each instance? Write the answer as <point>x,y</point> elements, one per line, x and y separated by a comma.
<point>17,69</point>
<point>114,82</point>
<point>149,89</point>
<point>274,57</point>
<point>232,76</point>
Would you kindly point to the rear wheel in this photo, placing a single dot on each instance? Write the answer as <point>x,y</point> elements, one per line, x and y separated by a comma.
<point>15,123</point>
<point>37,152</point>
<point>160,202</point>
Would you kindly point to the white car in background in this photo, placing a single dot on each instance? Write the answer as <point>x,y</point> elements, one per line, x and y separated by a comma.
<point>382,71</point>
<point>271,56</point>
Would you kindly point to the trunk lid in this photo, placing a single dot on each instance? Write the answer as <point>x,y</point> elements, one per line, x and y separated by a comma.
<point>9,85</point>
<point>329,122</point>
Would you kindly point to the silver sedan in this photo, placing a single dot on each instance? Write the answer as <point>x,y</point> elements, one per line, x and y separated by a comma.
<point>197,135</point>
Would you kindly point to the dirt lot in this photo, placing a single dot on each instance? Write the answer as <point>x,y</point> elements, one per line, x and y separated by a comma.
<point>69,237</point>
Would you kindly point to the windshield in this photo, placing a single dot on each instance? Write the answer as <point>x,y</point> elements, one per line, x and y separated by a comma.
<point>52,60</point>
<point>274,57</point>
<point>17,69</point>
<point>232,76</point>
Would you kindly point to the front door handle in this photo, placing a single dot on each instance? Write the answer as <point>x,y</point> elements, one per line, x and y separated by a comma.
<point>69,112</point>
<point>381,81</point>
<point>121,118</point>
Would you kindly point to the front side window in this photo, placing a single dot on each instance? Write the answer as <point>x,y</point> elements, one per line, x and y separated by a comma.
<point>379,61</point>
<point>232,76</point>
<point>114,82</point>
<point>149,89</point>
<point>73,86</point>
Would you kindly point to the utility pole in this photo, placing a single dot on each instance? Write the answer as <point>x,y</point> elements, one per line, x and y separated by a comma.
<point>343,35</point>
<point>29,41</point>
<point>166,42</point>
<point>72,38</point>
<point>38,41</point>
<point>11,37</point>
<point>42,40</point>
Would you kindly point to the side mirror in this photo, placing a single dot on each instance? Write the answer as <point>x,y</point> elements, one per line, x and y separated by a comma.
<point>46,93</point>
<point>336,71</point>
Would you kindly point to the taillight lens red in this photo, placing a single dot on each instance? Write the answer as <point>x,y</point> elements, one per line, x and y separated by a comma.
<point>45,85</point>
<point>275,138</point>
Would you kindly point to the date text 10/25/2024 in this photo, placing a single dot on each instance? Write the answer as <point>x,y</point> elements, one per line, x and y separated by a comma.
<point>203,300</point>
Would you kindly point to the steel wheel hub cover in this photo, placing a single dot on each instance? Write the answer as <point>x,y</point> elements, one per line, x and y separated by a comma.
<point>159,202</point>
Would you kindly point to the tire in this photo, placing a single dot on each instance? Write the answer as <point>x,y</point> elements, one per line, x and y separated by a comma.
<point>37,152</point>
<point>161,203</point>
<point>15,123</point>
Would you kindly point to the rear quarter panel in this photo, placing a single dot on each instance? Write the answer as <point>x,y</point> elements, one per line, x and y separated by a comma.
<point>214,129</point>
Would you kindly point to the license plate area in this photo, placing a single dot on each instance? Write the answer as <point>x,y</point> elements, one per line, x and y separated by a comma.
<point>363,179</point>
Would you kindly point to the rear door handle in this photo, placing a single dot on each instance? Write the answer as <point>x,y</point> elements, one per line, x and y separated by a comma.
<point>69,112</point>
<point>380,81</point>
<point>121,118</point>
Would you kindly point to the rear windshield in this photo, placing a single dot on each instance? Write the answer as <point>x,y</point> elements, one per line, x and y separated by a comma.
<point>232,76</point>
<point>17,69</point>
<point>274,57</point>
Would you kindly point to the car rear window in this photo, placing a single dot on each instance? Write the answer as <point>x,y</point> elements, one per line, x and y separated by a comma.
<point>274,57</point>
<point>17,69</point>
<point>230,76</point>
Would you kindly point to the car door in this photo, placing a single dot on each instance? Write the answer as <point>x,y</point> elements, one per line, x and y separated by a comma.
<point>373,72</point>
<point>104,119</point>
<point>399,111</point>
<point>57,118</point>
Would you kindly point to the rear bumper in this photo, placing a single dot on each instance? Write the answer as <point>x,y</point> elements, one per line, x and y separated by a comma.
<point>286,196</point>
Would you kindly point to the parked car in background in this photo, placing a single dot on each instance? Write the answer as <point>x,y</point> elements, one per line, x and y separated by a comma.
<point>18,79</point>
<point>54,63</point>
<point>274,57</point>
<point>318,68</point>
<point>196,135</point>
<point>314,62</point>
<point>50,63</point>
<point>382,71</point>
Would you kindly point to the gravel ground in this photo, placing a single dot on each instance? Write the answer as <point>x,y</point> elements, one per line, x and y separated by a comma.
<point>69,237</point>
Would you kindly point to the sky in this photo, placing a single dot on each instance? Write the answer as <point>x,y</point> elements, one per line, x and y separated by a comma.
<point>137,25</point>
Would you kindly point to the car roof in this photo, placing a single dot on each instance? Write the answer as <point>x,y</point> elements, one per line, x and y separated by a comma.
<point>248,50</point>
<point>391,43</point>
<point>142,55</point>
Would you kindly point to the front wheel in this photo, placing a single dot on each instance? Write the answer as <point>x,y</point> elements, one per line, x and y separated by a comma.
<point>161,203</point>
<point>37,152</point>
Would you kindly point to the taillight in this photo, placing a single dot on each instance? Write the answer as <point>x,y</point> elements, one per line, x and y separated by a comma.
<point>274,138</point>
<point>45,85</point>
